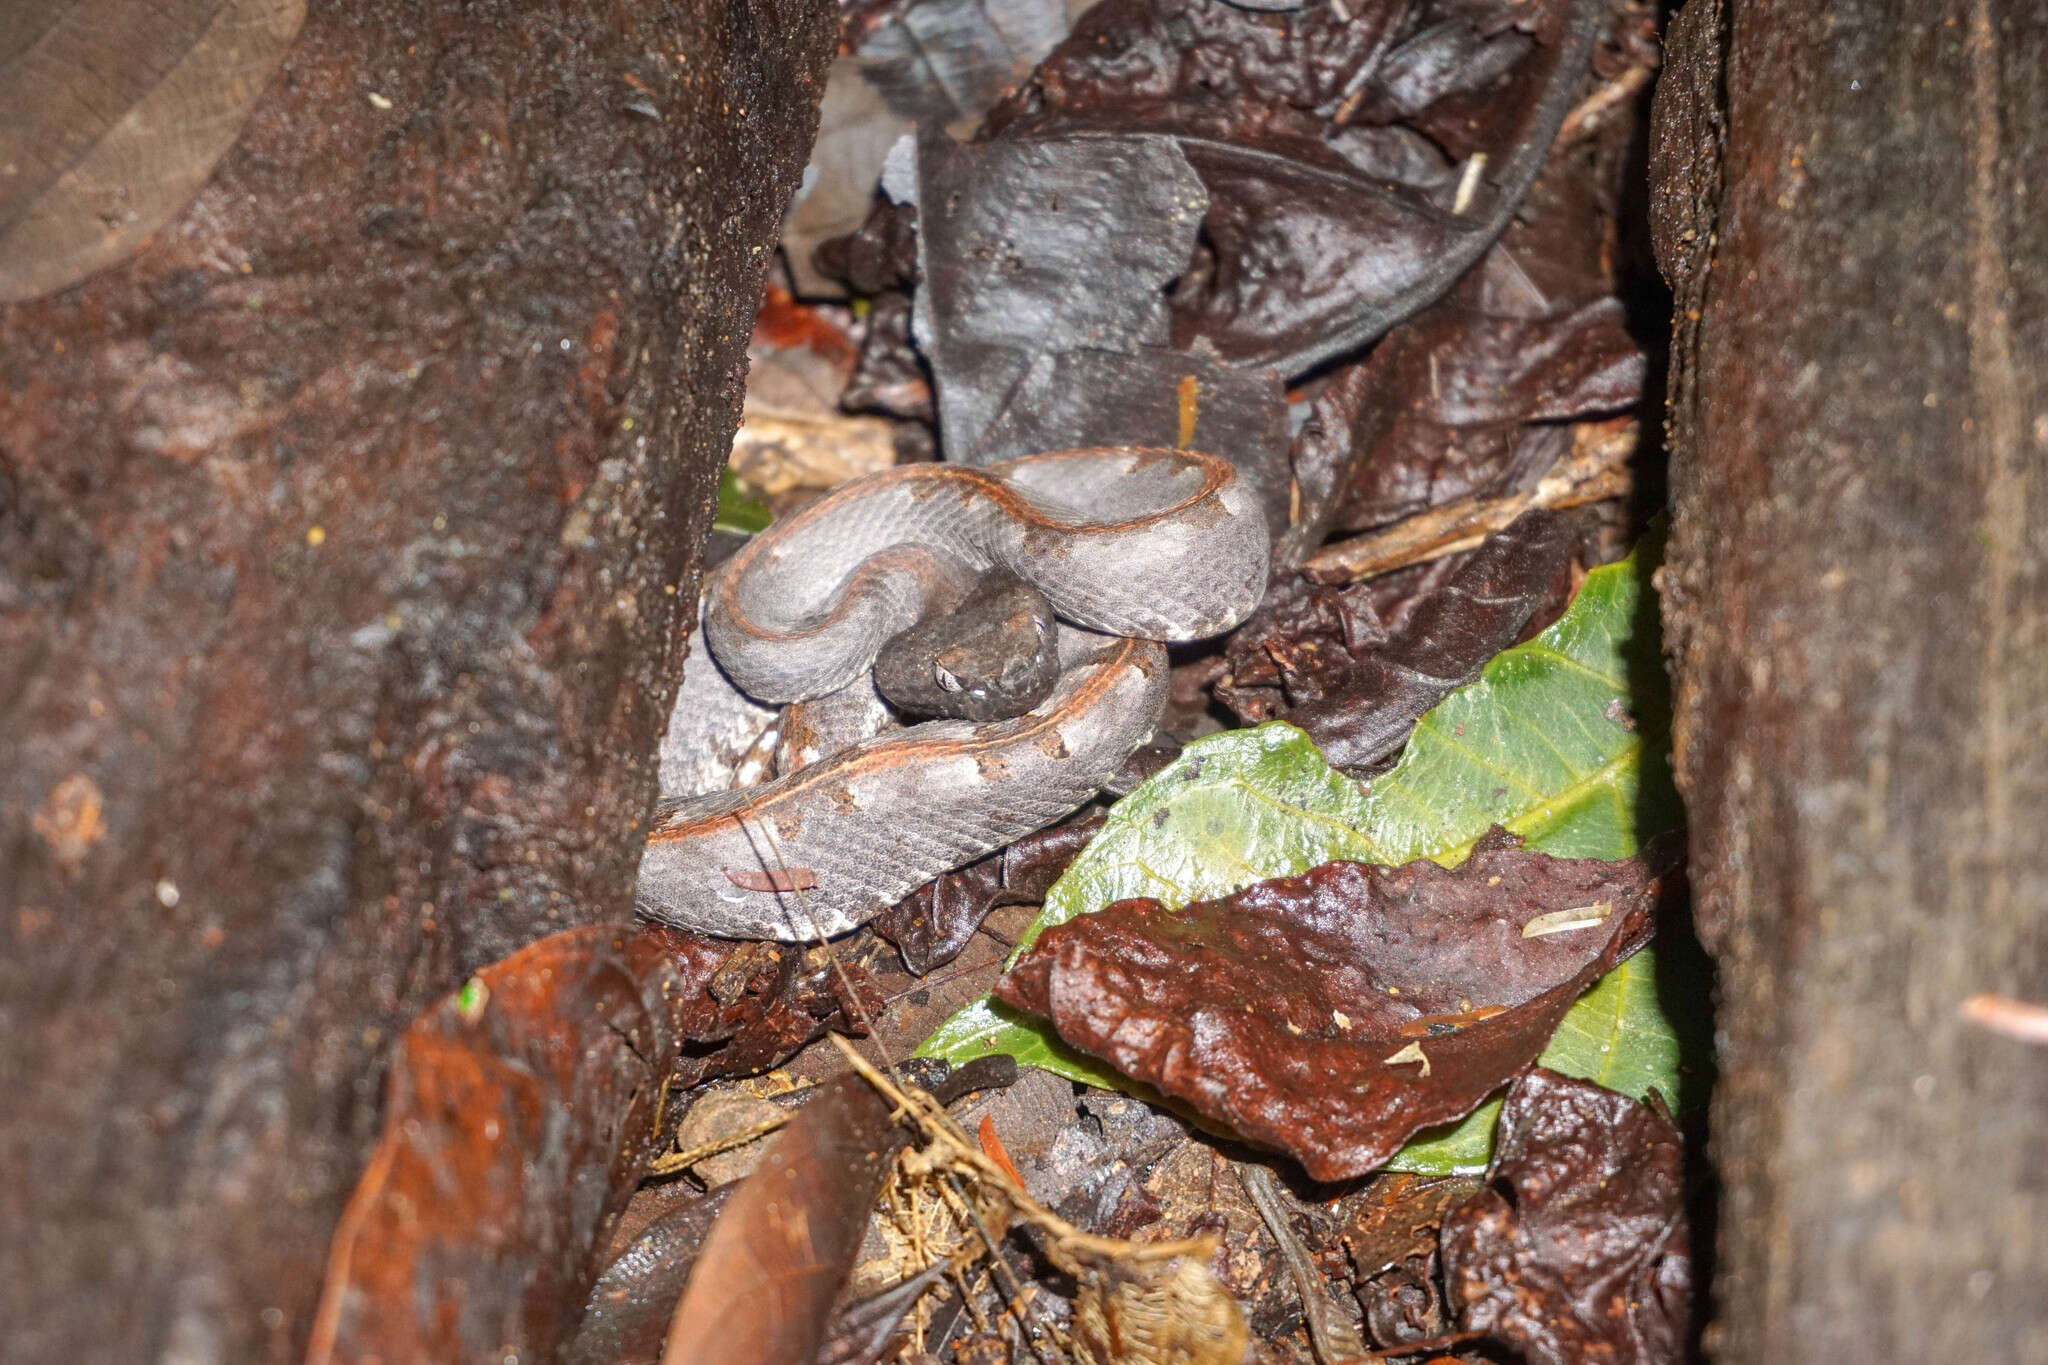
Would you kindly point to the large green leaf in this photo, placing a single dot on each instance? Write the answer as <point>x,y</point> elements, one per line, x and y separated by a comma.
<point>1561,740</point>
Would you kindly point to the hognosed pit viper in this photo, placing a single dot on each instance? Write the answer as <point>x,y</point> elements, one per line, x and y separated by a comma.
<point>1130,547</point>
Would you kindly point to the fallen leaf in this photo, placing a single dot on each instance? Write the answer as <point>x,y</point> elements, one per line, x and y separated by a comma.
<point>1231,1005</point>
<point>518,1116</point>
<point>1030,248</point>
<point>931,925</point>
<point>1320,236</point>
<point>1577,1251</point>
<point>1358,698</point>
<point>766,1278</point>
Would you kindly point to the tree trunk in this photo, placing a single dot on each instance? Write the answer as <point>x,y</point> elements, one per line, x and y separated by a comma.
<point>345,535</point>
<point>1848,201</point>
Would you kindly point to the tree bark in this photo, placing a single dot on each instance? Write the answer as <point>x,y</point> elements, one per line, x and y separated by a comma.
<point>1848,202</point>
<point>345,536</point>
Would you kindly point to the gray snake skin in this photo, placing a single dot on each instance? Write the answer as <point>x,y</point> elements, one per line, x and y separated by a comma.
<point>1131,546</point>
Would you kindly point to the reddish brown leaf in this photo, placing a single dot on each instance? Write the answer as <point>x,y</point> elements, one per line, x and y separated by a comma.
<point>1279,1011</point>
<point>775,1261</point>
<point>519,1114</point>
<point>1578,1252</point>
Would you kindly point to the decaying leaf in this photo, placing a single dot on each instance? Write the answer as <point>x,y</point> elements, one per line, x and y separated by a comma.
<point>112,114</point>
<point>765,1280</point>
<point>1578,1249</point>
<point>1333,1015</point>
<point>1030,248</point>
<point>520,1114</point>
<point>1316,664</point>
<point>932,924</point>
<point>625,1321</point>
<point>1319,234</point>
<point>1464,400</point>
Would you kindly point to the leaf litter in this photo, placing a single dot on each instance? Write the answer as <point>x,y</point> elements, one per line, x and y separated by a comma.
<point>1187,223</point>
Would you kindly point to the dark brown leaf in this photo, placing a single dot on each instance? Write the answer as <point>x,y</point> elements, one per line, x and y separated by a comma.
<point>112,115</point>
<point>931,925</point>
<point>626,1320</point>
<point>1456,397</point>
<point>1320,236</point>
<point>1320,662</point>
<point>1284,1011</point>
<point>1578,1251</point>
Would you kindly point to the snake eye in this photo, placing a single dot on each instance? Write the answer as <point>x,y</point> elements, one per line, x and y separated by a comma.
<point>945,678</point>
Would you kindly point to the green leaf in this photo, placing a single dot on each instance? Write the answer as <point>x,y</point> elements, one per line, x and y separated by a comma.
<point>739,511</point>
<point>1561,740</point>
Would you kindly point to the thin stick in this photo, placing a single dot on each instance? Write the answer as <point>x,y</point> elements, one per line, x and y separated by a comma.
<point>670,1162</point>
<point>1589,113</point>
<point>1595,470</point>
<point>2003,1014</point>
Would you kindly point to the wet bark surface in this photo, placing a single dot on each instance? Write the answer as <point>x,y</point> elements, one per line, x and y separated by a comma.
<point>343,534</point>
<point>1848,207</point>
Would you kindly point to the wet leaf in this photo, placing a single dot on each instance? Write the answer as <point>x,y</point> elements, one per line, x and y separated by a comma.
<point>1464,400</point>
<point>1550,743</point>
<point>1320,235</point>
<point>1359,698</point>
<point>1030,248</point>
<point>1578,1250</point>
<point>112,115</point>
<point>1332,1015</point>
<point>931,925</point>
<point>518,1116</point>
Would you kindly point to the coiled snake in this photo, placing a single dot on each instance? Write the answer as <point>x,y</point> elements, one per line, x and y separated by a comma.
<point>1131,548</point>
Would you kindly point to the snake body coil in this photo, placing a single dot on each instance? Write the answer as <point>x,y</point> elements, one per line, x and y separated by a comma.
<point>1130,546</point>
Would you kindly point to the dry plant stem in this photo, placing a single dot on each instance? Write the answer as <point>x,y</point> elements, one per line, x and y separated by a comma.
<point>1595,470</point>
<point>957,1153</point>
<point>671,1162</point>
<point>2003,1014</point>
<point>1603,103</point>
<point>1334,1337</point>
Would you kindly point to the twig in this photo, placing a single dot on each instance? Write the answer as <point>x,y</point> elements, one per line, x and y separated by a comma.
<point>668,1163</point>
<point>1335,1339</point>
<point>1594,470</point>
<point>2003,1014</point>
<point>1589,113</point>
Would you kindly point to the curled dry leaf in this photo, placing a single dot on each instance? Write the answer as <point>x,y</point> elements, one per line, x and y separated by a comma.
<point>931,925</point>
<point>502,1162</point>
<point>1316,665</point>
<point>1334,1014</point>
<point>1320,232</point>
<point>1578,1249</point>
<point>112,114</point>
